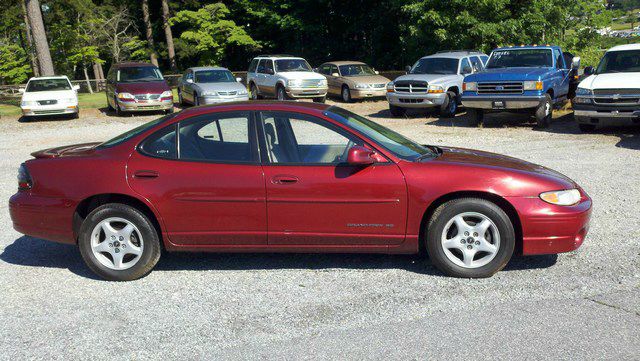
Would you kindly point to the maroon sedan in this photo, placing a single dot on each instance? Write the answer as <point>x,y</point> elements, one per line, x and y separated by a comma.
<point>292,177</point>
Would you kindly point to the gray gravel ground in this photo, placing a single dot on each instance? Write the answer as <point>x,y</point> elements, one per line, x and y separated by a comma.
<point>581,305</point>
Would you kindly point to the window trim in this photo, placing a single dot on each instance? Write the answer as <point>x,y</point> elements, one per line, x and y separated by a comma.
<point>264,158</point>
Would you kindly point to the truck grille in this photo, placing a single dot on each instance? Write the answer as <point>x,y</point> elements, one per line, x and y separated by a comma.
<point>613,97</point>
<point>411,86</point>
<point>504,87</point>
<point>616,92</point>
<point>311,83</point>
<point>147,96</point>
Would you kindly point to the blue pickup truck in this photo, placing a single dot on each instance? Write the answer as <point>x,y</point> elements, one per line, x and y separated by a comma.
<point>525,79</point>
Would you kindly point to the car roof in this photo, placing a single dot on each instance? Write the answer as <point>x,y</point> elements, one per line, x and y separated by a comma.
<point>625,47</point>
<point>278,57</point>
<point>528,47</point>
<point>49,77</point>
<point>273,105</point>
<point>129,64</point>
<point>197,68</point>
<point>345,62</point>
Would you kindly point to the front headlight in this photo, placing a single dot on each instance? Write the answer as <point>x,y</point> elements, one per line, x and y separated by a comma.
<point>243,91</point>
<point>471,86</point>
<point>294,82</point>
<point>562,198</point>
<point>390,88</point>
<point>435,89</point>
<point>532,85</point>
<point>323,82</point>
<point>584,91</point>
<point>125,96</point>
<point>28,103</point>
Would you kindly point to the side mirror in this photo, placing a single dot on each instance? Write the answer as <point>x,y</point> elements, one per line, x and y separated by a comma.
<point>335,74</point>
<point>76,87</point>
<point>407,68</point>
<point>575,62</point>
<point>21,90</point>
<point>589,70</point>
<point>359,155</point>
<point>377,72</point>
<point>466,70</point>
<point>190,81</point>
<point>239,80</point>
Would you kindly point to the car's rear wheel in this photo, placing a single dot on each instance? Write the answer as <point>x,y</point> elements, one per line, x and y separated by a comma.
<point>470,237</point>
<point>450,106</point>
<point>397,111</point>
<point>118,242</point>
<point>544,112</point>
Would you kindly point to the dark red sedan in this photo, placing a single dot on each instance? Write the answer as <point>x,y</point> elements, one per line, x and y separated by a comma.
<point>292,177</point>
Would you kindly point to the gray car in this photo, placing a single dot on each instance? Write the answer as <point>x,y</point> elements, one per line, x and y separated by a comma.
<point>210,85</point>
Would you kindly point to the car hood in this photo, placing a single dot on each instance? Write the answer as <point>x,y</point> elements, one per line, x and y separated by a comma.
<point>429,78</point>
<point>612,81</point>
<point>520,73</point>
<point>47,95</point>
<point>211,87</point>
<point>290,75</point>
<point>66,151</point>
<point>477,158</point>
<point>367,79</point>
<point>149,87</point>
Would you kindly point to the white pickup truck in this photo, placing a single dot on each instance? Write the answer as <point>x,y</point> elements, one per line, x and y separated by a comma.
<point>610,95</point>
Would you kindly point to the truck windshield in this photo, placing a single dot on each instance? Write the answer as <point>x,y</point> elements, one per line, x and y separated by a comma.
<point>43,85</point>
<point>395,143</point>
<point>626,61</point>
<point>514,58</point>
<point>139,74</point>
<point>214,76</point>
<point>292,65</point>
<point>435,66</point>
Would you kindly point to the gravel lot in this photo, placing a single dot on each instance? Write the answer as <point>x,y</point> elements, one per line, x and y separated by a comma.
<point>582,305</point>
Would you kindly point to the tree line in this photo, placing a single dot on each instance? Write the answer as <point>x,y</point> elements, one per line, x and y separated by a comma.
<point>81,38</point>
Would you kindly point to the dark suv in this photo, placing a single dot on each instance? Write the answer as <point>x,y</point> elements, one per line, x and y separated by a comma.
<point>133,87</point>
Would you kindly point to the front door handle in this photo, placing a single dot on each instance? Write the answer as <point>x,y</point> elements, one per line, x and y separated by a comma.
<point>146,174</point>
<point>284,179</point>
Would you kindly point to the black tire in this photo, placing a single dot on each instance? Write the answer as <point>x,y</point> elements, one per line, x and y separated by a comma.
<point>476,117</point>
<point>281,93</point>
<point>345,93</point>
<point>116,108</point>
<point>449,108</point>
<point>151,246</point>
<point>448,211</point>
<point>109,107</point>
<point>255,94</point>
<point>587,128</point>
<point>320,99</point>
<point>544,112</point>
<point>76,115</point>
<point>196,102</point>
<point>397,111</point>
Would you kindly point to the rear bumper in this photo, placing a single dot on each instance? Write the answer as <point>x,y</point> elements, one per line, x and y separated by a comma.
<point>550,229</point>
<point>509,102</point>
<point>43,217</point>
<point>407,100</point>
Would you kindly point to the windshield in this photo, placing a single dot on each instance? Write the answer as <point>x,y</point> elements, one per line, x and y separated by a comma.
<point>395,143</point>
<point>139,74</point>
<point>43,85</point>
<point>133,132</point>
<point>520,58</point>
<point>435,66</point>
<point>627,61</point>
<point>356,70</point>
<point>214,76</point>
<point>292,65</point>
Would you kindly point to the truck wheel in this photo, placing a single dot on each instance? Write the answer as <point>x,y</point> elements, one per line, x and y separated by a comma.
<point>449,108</point>
<point>544,112</point>
<point>397,111</point>
<point>281,93</point>
<point>476,117</point>
<point>255,95</point>
<point>587,128</point>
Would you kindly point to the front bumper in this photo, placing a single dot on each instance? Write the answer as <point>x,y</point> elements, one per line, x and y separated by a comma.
<point>222,99</point>
<point>367,93</point>
<point>413,100</point>
<point>43,217</point>
<point>504,102</point>
<point>550,229</point>
<point>49,110</point>
<point>145,105</point>
<point>306,92</point>
<point>606,115</point>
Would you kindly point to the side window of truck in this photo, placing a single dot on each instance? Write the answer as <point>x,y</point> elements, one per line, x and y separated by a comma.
<point>559,59</point>
<point>253,66</point>
<point>476,64</point>
<point>261,66</point>
<point>465,67</point>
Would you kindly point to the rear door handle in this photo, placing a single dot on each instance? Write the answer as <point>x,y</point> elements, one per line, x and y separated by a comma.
<point>284,179</point>
<point>146,174</point>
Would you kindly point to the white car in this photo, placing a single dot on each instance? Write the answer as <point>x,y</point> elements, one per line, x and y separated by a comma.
<point>53,95</point>
<point>610,95</point>
<point>285,77</point>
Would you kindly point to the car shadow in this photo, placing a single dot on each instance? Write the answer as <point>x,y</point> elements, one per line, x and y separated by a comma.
<point>35,252</point>
<point>47,118</point>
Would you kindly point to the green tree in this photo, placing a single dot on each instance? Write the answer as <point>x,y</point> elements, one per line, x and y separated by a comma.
<point>14,64</point>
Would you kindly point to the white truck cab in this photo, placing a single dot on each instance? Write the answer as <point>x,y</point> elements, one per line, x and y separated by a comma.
<point>610,95</point>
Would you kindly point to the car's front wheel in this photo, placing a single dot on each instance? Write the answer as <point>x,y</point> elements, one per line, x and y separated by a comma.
<point>450,106</point>
<point>544,112</point>
<point>118,242</point>
<point>470,237</point>
<point>346,94</point>
<point>281,93</point>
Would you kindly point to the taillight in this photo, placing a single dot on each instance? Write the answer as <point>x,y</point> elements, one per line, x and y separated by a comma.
<point>24,178</point>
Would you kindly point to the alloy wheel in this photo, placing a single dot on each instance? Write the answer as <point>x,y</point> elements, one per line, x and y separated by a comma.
<point>116,243</point>
<point>470,240</point>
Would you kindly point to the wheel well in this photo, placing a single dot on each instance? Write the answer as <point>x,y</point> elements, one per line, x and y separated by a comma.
<point>86,206</point>
<point>454,89</point>
<point>550,92</point>
<point>499,201</point>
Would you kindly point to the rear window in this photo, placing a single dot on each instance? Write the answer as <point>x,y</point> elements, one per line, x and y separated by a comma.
<point>134,132</point>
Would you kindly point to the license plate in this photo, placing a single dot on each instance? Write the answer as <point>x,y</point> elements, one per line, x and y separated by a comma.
<point>498,105</point>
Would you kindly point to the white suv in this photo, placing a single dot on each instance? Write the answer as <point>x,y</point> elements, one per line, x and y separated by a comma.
<point>285,77</point>
<point>434,81</point>
<point>610,95</point>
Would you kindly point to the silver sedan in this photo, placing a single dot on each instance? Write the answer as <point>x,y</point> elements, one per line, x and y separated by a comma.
<point>210,85</point>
